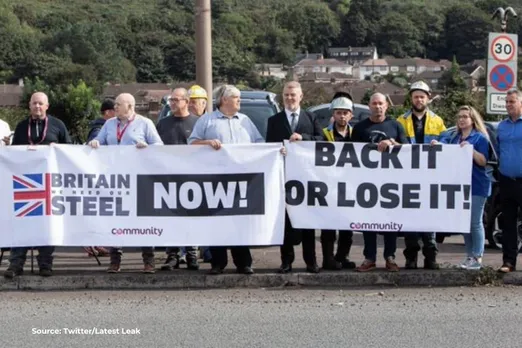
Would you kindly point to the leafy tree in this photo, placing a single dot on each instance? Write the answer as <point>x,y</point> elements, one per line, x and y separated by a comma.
<point>400,37</point>
<point>466,32</point>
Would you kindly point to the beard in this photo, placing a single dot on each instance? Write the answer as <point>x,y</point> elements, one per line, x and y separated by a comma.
<point>421,109</point>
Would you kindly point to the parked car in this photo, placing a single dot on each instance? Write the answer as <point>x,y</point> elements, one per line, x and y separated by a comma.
<point>257,105</point>
<point>492,219</point>
<point>324,114</point>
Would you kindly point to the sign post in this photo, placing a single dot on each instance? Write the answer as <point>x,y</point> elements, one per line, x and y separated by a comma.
<point>502,70</point>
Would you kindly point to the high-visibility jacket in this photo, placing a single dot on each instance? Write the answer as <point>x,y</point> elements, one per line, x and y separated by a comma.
<point>329,132</point>
<point>433,127</point>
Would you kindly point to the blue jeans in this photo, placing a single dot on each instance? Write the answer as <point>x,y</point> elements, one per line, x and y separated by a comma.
<point>370,245</point>
<point>474,241</point>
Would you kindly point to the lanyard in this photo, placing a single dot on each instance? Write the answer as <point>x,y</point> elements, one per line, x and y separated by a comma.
<point>119,133</point>
<point>44,134</point>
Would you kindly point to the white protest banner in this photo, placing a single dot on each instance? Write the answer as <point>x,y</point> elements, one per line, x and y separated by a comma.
<point>68,195</point>
<point>352,186</point>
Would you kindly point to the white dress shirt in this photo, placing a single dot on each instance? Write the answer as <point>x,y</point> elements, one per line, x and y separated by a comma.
<point>289,116</point>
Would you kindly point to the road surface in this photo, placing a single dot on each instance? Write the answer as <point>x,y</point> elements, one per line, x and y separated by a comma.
<point>454,317</point>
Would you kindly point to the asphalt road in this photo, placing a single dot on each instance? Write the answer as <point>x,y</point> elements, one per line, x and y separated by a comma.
<point>455,317</point>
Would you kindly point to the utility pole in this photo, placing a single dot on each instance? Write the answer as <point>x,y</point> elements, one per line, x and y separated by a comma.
<point>204,48</point>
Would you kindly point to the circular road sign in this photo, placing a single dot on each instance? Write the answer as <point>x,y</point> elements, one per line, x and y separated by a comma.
<point>502,77</point>
<point>503,48</point>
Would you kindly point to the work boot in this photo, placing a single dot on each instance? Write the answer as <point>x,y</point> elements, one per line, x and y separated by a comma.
<point>171,263</point>
<point>192,264</point>
<point>12,272</point>
<point>411,264</point>
<point>45,272</point>
<point>431,264</point>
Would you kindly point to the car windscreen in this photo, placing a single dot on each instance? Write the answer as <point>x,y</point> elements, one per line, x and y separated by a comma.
<point>259,114</point>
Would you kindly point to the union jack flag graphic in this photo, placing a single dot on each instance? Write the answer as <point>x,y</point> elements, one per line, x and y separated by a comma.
<point>32,194</point>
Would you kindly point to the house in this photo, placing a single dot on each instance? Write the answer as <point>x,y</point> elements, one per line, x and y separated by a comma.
<point>373,66</point>
<point>11,95</point>
<point>353,55</point>
<point>319,64</point>
<point>407,66</point>
<point>274,70</point>
<point>321,77</point>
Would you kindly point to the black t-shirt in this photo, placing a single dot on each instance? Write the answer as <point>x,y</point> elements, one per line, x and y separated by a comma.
<point>338,137</point>
<point>56,132</point>
<point>367,131</point>
<point>176,130</point>
<point>418,128</point>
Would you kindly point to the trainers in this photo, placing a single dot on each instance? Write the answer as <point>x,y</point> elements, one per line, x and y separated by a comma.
<point>391,265</point>
<point>113,268</point>
<point>474,265</point>
<point>170,263</point>
<point>367,265</point>
<point>506,268</point>
<point>10,273</point>
<point>148,268</point>
<point>465,263</point>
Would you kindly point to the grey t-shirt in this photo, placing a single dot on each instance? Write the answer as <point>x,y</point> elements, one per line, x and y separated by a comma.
<point>176,130</point>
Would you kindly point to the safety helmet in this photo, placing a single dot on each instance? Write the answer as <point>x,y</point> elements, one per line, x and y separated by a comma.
<point>197,91</point>
<point>341,103</point>
<point>420,86</point>
<point>342,94</point>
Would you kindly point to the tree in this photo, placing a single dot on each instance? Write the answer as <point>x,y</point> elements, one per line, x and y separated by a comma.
<point>74,104</point>
<point>399,36</point>
<point>466,32</point>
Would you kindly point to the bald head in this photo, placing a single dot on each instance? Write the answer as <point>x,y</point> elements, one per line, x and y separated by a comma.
<point>378,106</point>
<point>38,105</point>
<point>124,105</point>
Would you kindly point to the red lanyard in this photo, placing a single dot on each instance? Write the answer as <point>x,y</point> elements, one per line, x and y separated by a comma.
<point>119,134</point>
<point>44,134</point>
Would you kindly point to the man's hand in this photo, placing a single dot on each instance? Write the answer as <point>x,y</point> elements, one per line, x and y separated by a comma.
<point>94,144</point>
<point>283,151</point>
<point>384,144</point>
<point>141,144</point>
<point>216,144</point>
<point>295,137</point>
<point>434,142</point>
<point>7,140</point>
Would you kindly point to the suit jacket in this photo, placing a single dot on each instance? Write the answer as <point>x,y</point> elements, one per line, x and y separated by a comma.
<point>278,128</point>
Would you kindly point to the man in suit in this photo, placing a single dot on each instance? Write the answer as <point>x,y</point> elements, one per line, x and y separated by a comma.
<point>294,124</point>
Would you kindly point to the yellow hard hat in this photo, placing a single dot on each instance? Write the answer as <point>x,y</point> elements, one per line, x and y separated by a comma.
<point>197,91</point>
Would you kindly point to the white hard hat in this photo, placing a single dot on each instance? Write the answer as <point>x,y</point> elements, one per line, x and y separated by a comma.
<point>341,103</point>
<point>420,86</point>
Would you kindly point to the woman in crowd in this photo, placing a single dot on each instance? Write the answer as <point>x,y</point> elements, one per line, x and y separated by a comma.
<point>472,131</point>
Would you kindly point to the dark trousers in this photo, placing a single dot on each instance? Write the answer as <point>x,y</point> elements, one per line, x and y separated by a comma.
<point>344,244</point>
<point>429,249</point>
<point>511,201</point>
<point>370,245</point>
<point>18,256</point>
<point>191,252</point>
<point>308,241</point>
<point>240,256</point>
<point>147,254</point>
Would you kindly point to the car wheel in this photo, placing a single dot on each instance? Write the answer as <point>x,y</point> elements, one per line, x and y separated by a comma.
<point>494,232</point>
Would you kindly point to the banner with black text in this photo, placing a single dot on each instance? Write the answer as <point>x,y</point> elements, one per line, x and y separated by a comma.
<point>68,195</point>
<point>352,186</point>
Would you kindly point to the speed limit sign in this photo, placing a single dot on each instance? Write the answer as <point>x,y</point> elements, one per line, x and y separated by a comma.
<point>501,70</point>
<point>503,48</point>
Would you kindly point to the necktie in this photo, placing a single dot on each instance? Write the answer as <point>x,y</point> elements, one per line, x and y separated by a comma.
<point>293,125</point>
